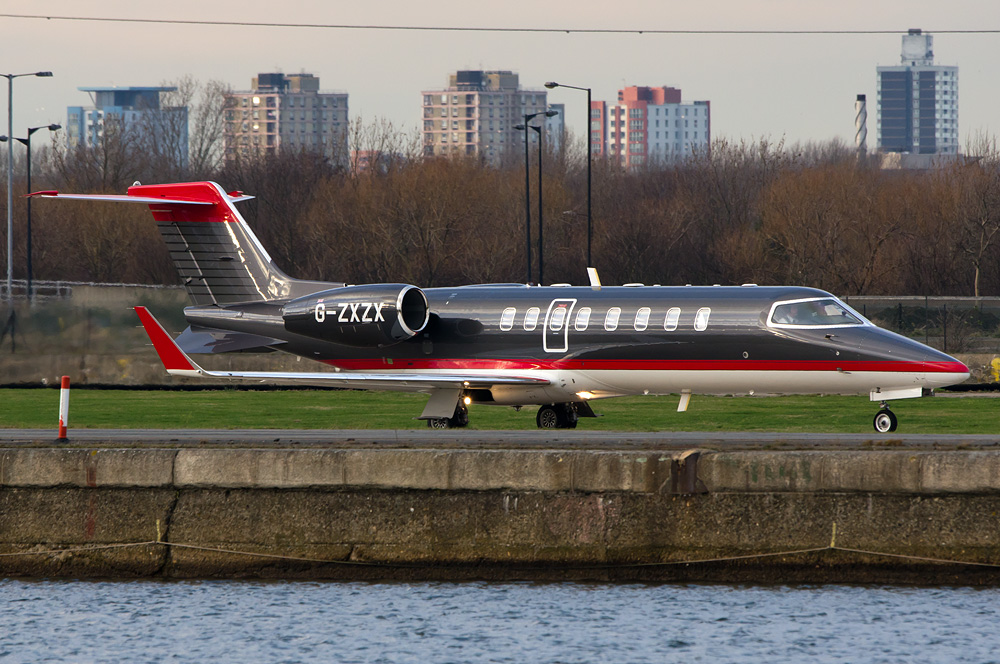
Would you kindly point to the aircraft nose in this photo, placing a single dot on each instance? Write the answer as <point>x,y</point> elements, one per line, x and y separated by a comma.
<point>930,367</point>
<point>941,369</point>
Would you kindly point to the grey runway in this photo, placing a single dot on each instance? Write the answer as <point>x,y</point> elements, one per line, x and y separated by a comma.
<point>456,439</point>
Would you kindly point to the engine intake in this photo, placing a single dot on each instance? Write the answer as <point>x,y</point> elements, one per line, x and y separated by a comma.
<point>363,316</point>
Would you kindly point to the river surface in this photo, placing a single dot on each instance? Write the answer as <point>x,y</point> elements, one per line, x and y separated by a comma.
<point>240,621</point>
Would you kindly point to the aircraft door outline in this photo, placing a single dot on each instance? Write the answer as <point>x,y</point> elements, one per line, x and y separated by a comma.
<point>555,331</point>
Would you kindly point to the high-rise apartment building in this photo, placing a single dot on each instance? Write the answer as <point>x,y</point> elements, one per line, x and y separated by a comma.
<point>918,101</point>
<point>476,115</point>
<point>286,112</point>
<point>650,126</point>
<point>131,108</point>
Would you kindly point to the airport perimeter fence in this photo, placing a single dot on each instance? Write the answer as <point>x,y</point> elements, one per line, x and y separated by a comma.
<point>950,324</point>
<point>91,332</point>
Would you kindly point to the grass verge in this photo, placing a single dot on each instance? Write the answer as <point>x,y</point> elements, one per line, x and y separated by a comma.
<point>322,409</point>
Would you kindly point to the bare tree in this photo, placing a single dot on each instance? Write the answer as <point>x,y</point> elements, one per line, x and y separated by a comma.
<point>117,160</point>
<point>207,121</point>
<point>978,228</point>
<point>380,147</point>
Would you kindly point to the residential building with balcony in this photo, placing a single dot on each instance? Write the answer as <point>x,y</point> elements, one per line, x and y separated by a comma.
<point>476,114</point>
<point>650,126</point>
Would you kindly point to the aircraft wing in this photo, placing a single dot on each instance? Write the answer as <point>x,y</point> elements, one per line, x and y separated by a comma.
<point>207,340</point>
<point>177,363</point>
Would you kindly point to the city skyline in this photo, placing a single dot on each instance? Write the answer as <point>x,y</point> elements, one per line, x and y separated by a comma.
<point>799,88</point>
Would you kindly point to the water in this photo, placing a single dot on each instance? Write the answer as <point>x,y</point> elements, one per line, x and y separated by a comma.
<point>238,621</point>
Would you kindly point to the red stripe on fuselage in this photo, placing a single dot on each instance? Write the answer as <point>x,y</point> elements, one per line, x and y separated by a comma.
<point>650,365</point>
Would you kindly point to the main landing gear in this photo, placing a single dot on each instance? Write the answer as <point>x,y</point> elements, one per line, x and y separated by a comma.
<point>550,416</point>
<point>885,419</point>
<point>557,416</point>
<point>456,421</point>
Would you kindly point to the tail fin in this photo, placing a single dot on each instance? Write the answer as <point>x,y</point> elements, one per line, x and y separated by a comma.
<point>218,257</point>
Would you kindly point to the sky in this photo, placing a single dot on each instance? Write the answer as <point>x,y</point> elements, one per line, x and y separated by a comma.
<point>796,88</point>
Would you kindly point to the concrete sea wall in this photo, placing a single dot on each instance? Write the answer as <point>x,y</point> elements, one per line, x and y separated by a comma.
<point>789,516</point>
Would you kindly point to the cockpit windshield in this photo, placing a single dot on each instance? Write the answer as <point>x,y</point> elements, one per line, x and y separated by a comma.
<point>821,312</point>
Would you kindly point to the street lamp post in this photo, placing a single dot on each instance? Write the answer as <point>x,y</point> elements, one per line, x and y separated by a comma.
<point>541,225</point>
<point>10,175</point>
<point>527,186</point>
<point>590,220</point>
<point>527,202</point>
<point>26,142</point>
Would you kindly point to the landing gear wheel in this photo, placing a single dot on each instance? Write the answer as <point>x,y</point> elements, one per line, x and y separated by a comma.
<point>456,421</point>
<point>556,416</point>
<point>885,421</point>
<point>461,417</point>
<point>550,417</point>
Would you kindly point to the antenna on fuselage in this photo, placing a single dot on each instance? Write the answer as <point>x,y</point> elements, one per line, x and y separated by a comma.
<point>595,281</point>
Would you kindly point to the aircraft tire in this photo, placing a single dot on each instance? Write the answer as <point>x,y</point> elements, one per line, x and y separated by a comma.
<point>571,417</point>
<point>456,421</point>
<point>461,418</point>
<point>550,417</point>
<point>885,421</point>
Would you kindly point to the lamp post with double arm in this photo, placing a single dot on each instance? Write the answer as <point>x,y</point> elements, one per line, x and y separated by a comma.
<point>527,202</point>
<point>26,142</point>
<point>527,186</point>
<point>10,174</point>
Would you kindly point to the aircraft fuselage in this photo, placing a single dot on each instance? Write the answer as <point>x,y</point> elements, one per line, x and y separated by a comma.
<point>612,341</point>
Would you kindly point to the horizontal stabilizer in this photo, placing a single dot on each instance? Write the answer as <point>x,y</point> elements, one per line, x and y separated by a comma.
<point>115,198</point>
<point>118,198</point>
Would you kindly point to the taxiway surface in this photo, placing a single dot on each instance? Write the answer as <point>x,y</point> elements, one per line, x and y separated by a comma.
<point>456,439</point>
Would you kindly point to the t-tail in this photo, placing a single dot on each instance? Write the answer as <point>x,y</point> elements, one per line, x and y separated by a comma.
<point>218,257</point>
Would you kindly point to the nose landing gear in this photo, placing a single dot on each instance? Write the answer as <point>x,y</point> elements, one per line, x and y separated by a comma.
<point>885,419</point>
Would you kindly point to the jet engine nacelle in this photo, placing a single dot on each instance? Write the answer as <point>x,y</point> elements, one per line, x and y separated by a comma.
<point>363,316</point>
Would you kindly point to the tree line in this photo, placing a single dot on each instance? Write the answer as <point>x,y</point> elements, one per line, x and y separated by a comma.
<point>742,212</point>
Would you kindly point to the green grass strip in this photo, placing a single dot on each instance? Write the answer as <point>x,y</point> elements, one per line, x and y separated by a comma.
<point>233,409</point>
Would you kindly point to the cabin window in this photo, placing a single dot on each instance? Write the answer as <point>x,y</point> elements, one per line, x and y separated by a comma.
<point>642,319</point>
<point>611,320</point>
<point>507,319</point>
<point>557,318</point>
<point>701,319</point>
<point>582,319</point>
<point>531,318</point>
<point>823,312</point>
<point>670,322</point>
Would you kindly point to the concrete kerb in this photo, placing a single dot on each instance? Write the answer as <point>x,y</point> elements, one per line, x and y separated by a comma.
<point>45,467</point>
<point>456,470</point>
<point>650,472</point>
<point>894,472</point>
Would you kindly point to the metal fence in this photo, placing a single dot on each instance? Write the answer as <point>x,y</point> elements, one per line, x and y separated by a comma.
<point>950,324</point>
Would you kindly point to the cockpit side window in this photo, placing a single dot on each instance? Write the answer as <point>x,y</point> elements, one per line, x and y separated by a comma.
<point>812,313</point>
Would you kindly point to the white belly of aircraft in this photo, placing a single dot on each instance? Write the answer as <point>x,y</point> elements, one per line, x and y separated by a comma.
<point>574,385</point>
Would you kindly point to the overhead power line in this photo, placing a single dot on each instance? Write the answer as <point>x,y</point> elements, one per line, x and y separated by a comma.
<point>446,28</point>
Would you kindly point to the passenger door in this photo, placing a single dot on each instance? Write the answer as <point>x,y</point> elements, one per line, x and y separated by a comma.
<point>555,332</point>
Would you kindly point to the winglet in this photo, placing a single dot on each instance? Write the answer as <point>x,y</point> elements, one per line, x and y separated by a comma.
<point>175,361</point>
